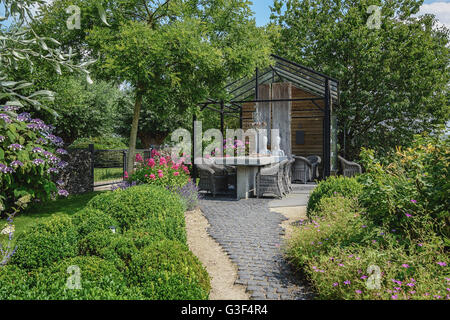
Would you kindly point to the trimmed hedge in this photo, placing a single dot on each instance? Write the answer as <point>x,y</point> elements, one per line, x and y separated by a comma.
<point>168,270</point>
<point>48,241</point>
<point>99,279</point>
<point>91,220</point>
<point>347,187</point>
<point>145,206</point>
<point>110,246</point>
<point>146,258</point>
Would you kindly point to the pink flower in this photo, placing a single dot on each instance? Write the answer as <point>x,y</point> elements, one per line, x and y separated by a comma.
<point>125,175</point>
<point>152,176</point>
<point>151,162</point>
<point>394,297</point>
<point>335,284</point>
<point>405,265</point>
<point>442,264</point>
<point>139,158</point>
<point>162,161</point>
<point>176,173</point>
<point>413,201</point>
<point>161,175</point>
<point>408,215</point>
<point>358,291</point>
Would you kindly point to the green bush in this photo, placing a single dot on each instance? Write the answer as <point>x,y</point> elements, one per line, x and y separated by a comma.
<point>50,240</point>
<point>99,280</point>
<point>90,220</point>
<point>109,246</point>
<point>100,143</point>
<point>14,283</point>
<point>347,187</point>
<point>168,270</point>
<point>143,237</point>
<point>146,206</point>
<point>411,190</point>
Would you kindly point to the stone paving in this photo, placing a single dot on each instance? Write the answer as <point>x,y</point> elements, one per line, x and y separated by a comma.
<point>252,235</point>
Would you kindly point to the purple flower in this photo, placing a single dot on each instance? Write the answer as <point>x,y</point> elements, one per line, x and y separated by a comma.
<point>442,264</point>
<point>394,297</point>
<point>347,282</point>
<point>53,170</point>
<point>335,284</point>
<point>62,164</point>
<point>47,154</point>
<point>38,162</point>
<point>61,151</point>
<point>36,150</point>
<point>25,116</point>
<point>63,192</point>
<point>60,182</point>
<point>41,141</point>
<point>413,201</point>
<point>15,146</point>
<point>16,163</point>
<point>408,215</point>
<point>5,169</point>
<point>363,226</point>
<point>363,277</point>
<point>5,117</point>
<point>358,291</point>
<point>11,108</point>
<point>2,138</point>
<point>405,265</point>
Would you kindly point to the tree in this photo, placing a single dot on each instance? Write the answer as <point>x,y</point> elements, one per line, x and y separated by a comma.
<point>21,45</point>
<point>394,80</point>
<point>179,52</point>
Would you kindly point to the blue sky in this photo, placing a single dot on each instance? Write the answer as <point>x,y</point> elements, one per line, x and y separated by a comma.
<point>441,8</point>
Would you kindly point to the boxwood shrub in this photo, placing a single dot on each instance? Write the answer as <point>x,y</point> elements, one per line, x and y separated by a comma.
<point>347,187</point>
<point>109,246</point>
<point>91,220</point>
<point>50,240</point>
<point>147,206</point>
<point>168,270</point>
<point>99,280</point>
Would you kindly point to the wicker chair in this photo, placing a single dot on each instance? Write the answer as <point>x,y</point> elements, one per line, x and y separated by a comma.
<point>287,176</point>
<point>315,162</point>
<point>269,180</point>
<point>212,179</point>
<point>349,168</point>
<point>302,170</point>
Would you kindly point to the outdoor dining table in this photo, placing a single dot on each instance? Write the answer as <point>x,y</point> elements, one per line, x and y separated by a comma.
<point>247,169</point>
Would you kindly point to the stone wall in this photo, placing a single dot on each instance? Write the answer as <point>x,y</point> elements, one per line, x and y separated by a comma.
<point>77,176</point>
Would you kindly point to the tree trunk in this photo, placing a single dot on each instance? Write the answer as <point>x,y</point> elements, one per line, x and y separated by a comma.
<point>134,130</point>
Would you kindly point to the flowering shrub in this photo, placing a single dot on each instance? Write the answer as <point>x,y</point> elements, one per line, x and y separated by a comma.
<point>29,158</point>
<point>345,255</point>
<point>410,191</point>
<point>161,170</point>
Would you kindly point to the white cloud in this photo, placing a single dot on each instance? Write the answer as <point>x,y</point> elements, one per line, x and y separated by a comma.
<point>440,9</point>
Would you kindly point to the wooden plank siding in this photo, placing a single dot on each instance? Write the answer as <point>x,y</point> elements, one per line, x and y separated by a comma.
<point>305,116</point>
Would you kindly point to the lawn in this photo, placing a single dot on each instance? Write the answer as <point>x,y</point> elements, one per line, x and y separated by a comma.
<point>68,206</point>
<point>106,174</point>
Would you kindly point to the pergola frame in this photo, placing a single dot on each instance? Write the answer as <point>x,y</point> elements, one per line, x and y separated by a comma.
<point>246,90</point>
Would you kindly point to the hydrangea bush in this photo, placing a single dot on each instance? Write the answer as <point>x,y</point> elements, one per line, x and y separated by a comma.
<point>29,158</point>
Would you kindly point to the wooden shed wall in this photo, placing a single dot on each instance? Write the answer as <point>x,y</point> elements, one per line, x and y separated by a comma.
<point>312,126</point>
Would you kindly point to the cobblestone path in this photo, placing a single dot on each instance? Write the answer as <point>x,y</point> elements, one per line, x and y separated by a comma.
<point>252,235</point>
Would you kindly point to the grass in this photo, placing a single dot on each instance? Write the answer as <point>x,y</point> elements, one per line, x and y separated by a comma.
<point>105,174</point>
<point>31,215</point>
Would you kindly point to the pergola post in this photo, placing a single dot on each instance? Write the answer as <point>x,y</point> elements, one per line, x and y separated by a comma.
<point>194,168</point>
<point>327,131</point>
<point>222,116</point>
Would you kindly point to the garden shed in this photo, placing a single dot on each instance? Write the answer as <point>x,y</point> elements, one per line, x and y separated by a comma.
<point>290,97</point>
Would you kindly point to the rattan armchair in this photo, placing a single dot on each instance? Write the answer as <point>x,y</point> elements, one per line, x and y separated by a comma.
<point>302,170</point>
<point>349,168</point>
<point>212,179</point>
<point>269,180</point>
<point>287,176</point>
<point>315,162</point>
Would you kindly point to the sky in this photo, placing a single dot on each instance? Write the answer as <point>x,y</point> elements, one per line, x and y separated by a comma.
<point>441,8</point>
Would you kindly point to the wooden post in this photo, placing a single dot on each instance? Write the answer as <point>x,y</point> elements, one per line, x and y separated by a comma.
<point>327,131</point>
<point>92,152</point>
